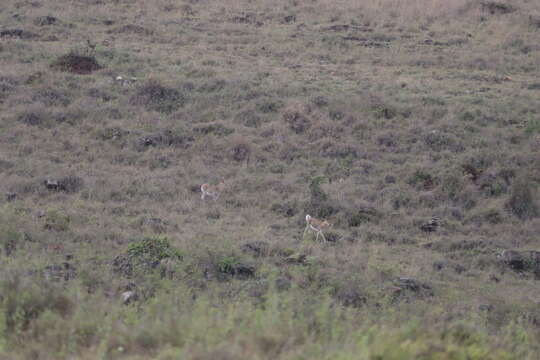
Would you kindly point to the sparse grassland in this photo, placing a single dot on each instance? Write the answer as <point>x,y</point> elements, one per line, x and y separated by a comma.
<point>412,126</point>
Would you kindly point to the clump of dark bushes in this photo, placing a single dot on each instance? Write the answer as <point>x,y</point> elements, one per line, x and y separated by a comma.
<point>157,97</point>
<point>76,64</point>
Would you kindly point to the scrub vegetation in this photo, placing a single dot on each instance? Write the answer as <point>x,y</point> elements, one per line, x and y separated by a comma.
<point>413,127</point>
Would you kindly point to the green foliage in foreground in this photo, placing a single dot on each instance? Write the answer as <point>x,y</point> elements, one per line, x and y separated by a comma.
<point>282,326</point>
<point>153,249</point>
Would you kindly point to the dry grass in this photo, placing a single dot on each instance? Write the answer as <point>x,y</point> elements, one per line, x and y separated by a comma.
<point>378,115</point>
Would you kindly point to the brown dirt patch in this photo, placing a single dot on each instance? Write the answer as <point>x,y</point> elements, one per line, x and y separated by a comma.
<point>77,64</point>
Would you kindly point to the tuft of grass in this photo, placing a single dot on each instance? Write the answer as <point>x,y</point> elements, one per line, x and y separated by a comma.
<point>522,201</point>
<point>410,126</point>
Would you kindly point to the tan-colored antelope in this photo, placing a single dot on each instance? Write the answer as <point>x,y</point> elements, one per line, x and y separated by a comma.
<point>316,225</point>
<point>212,190</point>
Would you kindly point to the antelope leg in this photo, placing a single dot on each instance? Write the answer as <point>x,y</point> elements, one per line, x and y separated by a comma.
<point>306,229</point>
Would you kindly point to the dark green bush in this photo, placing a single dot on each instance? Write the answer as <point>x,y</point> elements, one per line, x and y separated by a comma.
<point>151,250</point>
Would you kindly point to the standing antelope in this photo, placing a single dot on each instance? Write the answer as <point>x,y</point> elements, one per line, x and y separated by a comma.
<point>316,225</point>
<point>212,190</point>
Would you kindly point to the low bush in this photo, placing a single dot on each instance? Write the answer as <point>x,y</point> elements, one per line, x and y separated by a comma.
<point>522,201</point>
<point>157,97</point>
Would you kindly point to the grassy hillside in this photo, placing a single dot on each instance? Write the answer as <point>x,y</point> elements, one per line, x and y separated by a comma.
<point>412,126</point>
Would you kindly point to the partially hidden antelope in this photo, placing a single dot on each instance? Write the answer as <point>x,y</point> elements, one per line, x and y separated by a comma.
<point>212,190</point>
<point>316,225</point>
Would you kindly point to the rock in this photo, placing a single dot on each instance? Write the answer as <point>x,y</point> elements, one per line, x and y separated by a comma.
<point>68,184</point>
<point>485,307</point>
<point>128,297</point>
<point>125,81</point>
<point>51,184</point>
<point>431,225</point>
<point>129,294</point>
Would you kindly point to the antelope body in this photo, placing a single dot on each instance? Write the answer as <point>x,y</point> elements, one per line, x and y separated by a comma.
<point>316,225</point>
<point>212,190</point>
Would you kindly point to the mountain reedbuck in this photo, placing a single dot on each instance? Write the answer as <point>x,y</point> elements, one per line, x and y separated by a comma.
<point>212,190</point>
<point>316,225</point>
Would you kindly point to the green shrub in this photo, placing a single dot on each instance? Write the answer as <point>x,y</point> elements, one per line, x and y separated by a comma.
<point>152,250</point>
<point>55,220</point>
<point>24,300</point>
<point>227,264</point>
<point>533,127</point>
